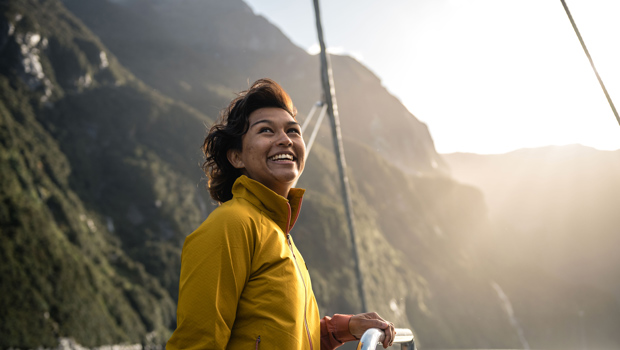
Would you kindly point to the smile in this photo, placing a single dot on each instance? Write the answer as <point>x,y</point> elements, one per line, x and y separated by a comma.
<point>282,157</point>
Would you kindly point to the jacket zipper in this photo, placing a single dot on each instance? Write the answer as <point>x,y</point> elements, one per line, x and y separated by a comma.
<point>290,245</point>
<point>257,341</point>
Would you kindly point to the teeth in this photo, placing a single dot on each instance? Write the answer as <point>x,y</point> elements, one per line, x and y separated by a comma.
<point>282,157</point>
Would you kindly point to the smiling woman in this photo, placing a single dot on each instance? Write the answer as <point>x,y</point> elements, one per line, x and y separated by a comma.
<point>225,139</point>
<point>243,282</point>
<point>272,151</point>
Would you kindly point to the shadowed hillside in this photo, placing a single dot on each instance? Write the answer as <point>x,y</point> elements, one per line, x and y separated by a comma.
<point>65,272</point>
<point>197,51</point>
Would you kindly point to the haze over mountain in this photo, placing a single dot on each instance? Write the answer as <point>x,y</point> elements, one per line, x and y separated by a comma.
<point>104,106</point>
<point>457,65</point>
<point>560,203</point>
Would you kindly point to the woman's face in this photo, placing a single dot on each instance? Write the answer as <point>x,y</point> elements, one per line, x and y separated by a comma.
<point>273,151</point>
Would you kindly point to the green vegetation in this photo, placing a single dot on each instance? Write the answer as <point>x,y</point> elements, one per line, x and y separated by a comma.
<point>57,277</point>
<point>64,272</point>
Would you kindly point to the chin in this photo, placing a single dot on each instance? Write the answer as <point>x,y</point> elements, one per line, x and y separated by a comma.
<point>288,178</point>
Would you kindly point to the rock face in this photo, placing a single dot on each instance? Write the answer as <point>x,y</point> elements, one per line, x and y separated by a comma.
<point>101,179</point>
<point>223,42</point>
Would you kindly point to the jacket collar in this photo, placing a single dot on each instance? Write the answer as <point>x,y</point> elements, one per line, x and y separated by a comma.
<point>272,204</point>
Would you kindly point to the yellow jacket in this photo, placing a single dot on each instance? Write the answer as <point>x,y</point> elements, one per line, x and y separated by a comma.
<point>244,284</point>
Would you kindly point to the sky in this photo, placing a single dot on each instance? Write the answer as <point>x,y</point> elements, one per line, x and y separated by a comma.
<point>486,76</point>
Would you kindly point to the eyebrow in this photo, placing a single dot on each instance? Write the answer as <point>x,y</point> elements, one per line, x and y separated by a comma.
<point>271,122</point>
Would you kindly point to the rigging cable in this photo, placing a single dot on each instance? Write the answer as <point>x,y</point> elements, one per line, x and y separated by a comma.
<point>315,131</point>
<point>310,116</point>
<point>585,49</point>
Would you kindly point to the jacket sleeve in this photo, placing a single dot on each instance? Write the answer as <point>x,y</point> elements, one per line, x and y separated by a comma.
<point>335,331</point>
<point>215,265</point>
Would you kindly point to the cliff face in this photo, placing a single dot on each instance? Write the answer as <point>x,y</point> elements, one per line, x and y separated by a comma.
<point>104,107</point>
<point>195,53</point>
<point>65,272</point>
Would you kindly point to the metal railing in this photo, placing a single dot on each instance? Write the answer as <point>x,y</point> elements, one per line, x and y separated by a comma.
<point>371,337</point>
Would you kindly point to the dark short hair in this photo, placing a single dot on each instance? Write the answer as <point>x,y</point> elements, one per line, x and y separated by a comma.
<point>228,131</point>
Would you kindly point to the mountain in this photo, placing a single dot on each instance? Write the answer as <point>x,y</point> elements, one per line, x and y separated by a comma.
<point>553,209</point>
<point>561,196</point>
<point>64,272</point>
<point>194,53</point>
<point>104,107</point>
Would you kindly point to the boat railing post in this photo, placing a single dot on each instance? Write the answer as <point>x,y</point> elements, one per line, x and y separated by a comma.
<point>370,339</point>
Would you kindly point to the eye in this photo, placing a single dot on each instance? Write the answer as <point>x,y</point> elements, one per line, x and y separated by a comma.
<point>294,130</point>
<point>264,129</point>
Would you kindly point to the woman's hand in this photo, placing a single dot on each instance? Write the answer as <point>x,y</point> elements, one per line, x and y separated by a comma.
<point>358,324</point>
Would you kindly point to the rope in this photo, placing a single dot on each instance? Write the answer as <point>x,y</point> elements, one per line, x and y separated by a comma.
<point>585,49</point>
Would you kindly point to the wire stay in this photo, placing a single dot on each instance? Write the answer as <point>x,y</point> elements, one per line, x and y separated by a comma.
<point>585,49</point>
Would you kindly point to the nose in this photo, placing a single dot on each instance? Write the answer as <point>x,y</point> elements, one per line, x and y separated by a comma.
<point>284,140</point>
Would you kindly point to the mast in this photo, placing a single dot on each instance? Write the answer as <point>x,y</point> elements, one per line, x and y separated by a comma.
<point>329,97</point>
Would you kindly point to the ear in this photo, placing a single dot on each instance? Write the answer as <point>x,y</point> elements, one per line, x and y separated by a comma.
<point>234,157</point>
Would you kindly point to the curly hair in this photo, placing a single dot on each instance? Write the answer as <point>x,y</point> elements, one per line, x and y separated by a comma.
<point>227,133</point>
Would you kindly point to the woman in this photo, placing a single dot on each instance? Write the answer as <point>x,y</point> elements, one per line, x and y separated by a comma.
<point>244,284</point>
